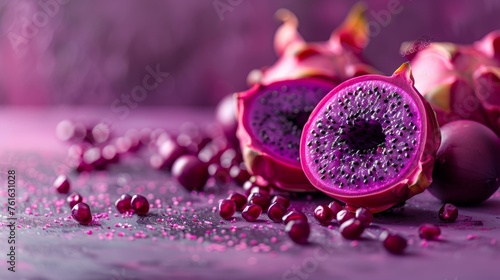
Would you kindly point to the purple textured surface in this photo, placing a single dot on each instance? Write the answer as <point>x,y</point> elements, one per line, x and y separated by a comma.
<point>169,243</point>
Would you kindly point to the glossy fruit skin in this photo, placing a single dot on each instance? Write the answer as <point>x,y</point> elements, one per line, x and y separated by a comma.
<point>461,81</point>
<point>285,202</point>
<point>365,216</point>
<point>344,215</point>
<point>259,161</point>
<point>448,213</point>
<point>323,214</point>
<point>429,231</point>
<point>61,184</point>
<point>294,215</point>
<point>227,208</point>
<point>260,199</point>
<point>298,231</point>
<point>251,212</point>
<point>81,213</point>
<point>393,243</point>
<point>416,179</point>
<point>140,204</point>
<point>335,207</point>
<point>123,203</point>
<point>352,229</point>
<point>74,199</point>
<point>467,168</point>
<point>190,172</point>
<point>275,212</point>
<point>239,199</point>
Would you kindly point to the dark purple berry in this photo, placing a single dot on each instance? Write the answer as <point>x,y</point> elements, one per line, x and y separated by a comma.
<point>248,186</point>
<point>365,216</point>
<point>123,203</point>
<point>448,213</point>
<point>74,199</point>
<point>352,229</point>
<point>251,212</point>
<point>219,173</point>
<point>393,243</point>
<point>275,212</point>
<point>61,184</point>
<point>261,190</point>
<point>190,172</point>
<point>239,174</point>
<point>335,207</point>
<point>285,202</point>
<point>140,204</point>
<point>239,199</point>
<point>429,231</point>
<point>81,213</point>
<point>227,208</point>
<point>170,151</point>
<point>293,215</point>
<point>260,199</point>
<point>298,231</point>
<point>323,214</point>
<point>344,215</point>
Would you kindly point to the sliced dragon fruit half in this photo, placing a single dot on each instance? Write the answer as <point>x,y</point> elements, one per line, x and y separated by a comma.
<point>270,121</point>
<point>371,142</point>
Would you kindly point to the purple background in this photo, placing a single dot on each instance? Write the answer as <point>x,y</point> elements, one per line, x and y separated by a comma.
<point>91,52</point>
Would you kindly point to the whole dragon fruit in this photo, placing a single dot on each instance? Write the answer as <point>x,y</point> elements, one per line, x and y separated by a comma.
<point>337,59</point>
<point>461,81</point>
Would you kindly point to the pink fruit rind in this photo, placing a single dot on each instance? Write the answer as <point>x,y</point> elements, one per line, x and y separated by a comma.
<point>275,170</point>
<point>416,178</point>
<point>337,59</point>
<point>461,81</point>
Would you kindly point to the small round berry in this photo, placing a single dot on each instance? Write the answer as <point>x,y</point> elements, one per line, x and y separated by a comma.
<point>170,151</point>
<point>218,172</point>
<point>61,184</point>
<point>81,213</point>
<point>239,199</point>
<point>323,214</point>
<point>74,199</point>
<point>140,204</point>
<point>123,203</point>
<point>261,190</point>
<point>335,207</point>
<point>352,229</point>
<point>190,172</point>
<point>298,231</point>
<point>275,212</point>
<point>251,212</point>
<point>227,208</point>
<point>285,202</point>
<point>239,174</point>
<point>448,213</point>
<point>293,215</point>
<point>393,243</point>
<point>429,231</point>
<point>365,216</point>
<point>344,215</point>
<point>260,199</point>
